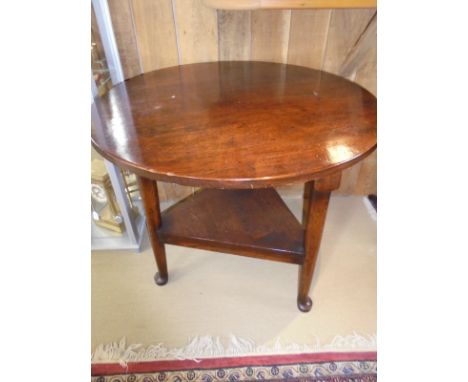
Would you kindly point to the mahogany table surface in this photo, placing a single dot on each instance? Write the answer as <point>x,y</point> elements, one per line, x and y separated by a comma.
<point>235,124</point>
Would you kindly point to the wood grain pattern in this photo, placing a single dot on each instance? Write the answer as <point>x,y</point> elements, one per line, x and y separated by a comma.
<point>239,124</point>
<point>234,30</point>
<point>156,33</point>
<point>308,37</point>
<point>233,125</point>
<point>367,179</point>
<point>121,14</point>
<point>155,30</point>
<point>366,72</point>
<point>306,47</point>
<point>349,179</point>
<point>150,197</point>
<point>317,206</point>
<point>366,76</point>
<point>197,31</point>
<point>270,35</point>
<point>328,183</point>
<point>254,223</point>
<point>346,26</point>
<point>290,4</point>
<point>365,42</point>
<point>308,188</point>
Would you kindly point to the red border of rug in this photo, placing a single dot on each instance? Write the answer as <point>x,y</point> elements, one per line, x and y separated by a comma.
<point>98,369</point>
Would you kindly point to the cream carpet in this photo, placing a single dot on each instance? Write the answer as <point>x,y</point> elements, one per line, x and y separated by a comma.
<point>213,294</point>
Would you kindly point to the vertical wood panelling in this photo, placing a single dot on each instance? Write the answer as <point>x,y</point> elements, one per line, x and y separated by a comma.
<point>366,73</point>
<point>234,35</point>
<point>154,24</point>
<point>357,56</point>
<point>197,31</point>
<point>367,179</point>
<point>366,76</point>
<point>308,36</point>
<point>153,34</point>
<point>306,46</point>
<point>270,35</point>
<point>197,37</point>
<point>349,178</point>
<point>346,25</point>
<point>122,23</point>
<point>289,4</point>
<point>156,39</point>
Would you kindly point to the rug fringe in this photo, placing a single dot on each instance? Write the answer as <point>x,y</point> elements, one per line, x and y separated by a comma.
<point>211,346</point>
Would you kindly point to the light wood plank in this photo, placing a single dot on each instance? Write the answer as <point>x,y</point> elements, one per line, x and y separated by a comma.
<point>365,43</point>
<point>197,36</point>
<point>366,76</point>
<point>281,36</point>
<point>163,189</point>
<point>290,4</point>
<point>308,37</point>
<point>366,73</point>
<point>270,35</point>
<point>122,23</point>
<point>156,36</point>
<point>197,31</point>
<point>157,42</point>
<point>346,26</point>
<point>349,179</point>
<point>234,35</point>
<point>367,180</point>
<point>307,41</point>
<point>361,179</point>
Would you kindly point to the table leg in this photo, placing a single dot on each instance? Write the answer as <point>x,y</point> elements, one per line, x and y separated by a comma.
<point>149,194</point>
<point>308,187</point>
<point>316,206</point>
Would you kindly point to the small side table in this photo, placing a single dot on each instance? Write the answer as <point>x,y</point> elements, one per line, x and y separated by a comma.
<point>237,129</point>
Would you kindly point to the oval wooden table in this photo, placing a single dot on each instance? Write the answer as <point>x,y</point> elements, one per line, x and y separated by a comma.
<point>237,129</point>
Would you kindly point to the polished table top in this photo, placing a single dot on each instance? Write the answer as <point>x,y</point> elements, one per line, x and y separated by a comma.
<point>236,124</point>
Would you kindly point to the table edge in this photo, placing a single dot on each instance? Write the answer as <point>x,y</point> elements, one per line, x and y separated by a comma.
<point>236,183</point>
<point>231,183</point>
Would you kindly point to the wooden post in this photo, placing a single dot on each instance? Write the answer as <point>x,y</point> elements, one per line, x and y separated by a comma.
<point>308,188</point>
<point>316,206</point>
<point>149,194</point>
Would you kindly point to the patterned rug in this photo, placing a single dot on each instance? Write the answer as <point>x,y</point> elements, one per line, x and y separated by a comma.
<point>312,367</point>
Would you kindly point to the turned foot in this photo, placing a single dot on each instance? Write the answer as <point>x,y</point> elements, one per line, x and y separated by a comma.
<point>305,307</point>
<point>158,279</point>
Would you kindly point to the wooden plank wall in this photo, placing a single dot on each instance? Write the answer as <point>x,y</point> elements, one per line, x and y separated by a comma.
<point>153,34</point>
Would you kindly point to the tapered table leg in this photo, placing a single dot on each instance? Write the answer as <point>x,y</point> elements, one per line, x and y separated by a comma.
<point>308,187</point>
<point>149,194</point>
<point>315,205</point>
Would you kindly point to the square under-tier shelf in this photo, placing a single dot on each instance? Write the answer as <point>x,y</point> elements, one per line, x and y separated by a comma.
<point>253,223</point>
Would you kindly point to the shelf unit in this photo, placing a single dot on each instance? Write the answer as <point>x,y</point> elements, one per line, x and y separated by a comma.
<point>253,223</point>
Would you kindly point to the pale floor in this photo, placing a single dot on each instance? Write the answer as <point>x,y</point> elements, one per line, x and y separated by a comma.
<point>217,294</point>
